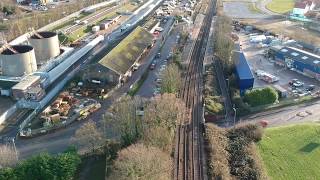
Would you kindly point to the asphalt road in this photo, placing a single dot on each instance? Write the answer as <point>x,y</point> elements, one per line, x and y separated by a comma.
<point>147,89</point>
<point>288,115</point>
<point>58,141</point>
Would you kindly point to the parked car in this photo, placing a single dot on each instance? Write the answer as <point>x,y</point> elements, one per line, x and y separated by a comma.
<point>158,55</point>
<point>310,88</point>
<point>298,84</point>
<point>152,66</point>
<point>293,81</point>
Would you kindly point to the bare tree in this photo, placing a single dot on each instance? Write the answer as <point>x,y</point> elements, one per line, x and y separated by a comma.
<point>161,116</point>
<point>8,156</point>
<point>223,44</point>
<point>123,118</point>
<point>171,79</point>
<point>88,137</point>
<point>143,163</point>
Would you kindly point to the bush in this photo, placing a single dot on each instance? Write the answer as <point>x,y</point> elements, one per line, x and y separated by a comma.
<point>257,97</point>
<point>243,160</point>
<point>218,155</point>
<point>213,105</point>
<point>242,107</point>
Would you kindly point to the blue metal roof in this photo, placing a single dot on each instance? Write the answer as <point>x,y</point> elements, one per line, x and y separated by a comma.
<point>301,55</point>
<point>242,66</point>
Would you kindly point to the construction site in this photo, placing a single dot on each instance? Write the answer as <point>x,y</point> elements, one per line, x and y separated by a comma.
<point>64,110</point>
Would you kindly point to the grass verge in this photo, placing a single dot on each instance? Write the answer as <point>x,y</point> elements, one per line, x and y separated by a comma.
<point>135,88</point>
<point>292,152</point>
<point>281,6</point>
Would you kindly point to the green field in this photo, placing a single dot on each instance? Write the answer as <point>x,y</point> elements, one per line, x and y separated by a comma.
<point>292,152</point>
<point>281,6</point>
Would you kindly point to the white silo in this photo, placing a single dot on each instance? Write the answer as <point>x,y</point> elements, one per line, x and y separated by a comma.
<point>18,63</point>
<point>46,45</point>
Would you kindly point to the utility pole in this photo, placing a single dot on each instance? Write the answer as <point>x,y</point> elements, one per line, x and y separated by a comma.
<point>15,149</point>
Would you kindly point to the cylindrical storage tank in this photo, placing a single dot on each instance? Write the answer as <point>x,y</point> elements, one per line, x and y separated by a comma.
<point>46,47</point>
<point>19,63</point>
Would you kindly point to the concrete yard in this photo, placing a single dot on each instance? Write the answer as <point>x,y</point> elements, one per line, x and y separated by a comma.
<point>241,10</point>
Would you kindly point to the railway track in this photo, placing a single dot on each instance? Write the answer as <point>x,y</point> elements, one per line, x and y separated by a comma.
<point>188,149</point>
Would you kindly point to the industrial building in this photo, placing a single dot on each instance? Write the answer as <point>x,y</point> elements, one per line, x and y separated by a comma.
<point>46,46</point>
<point>18,61</point>
<point>245,78</point>
<point>118,64</point>
<point>296,59</point>
<point>19,64</point>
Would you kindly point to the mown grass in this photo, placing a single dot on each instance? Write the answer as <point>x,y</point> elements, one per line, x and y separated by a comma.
<point>281,6</point>
<point>292,152</point>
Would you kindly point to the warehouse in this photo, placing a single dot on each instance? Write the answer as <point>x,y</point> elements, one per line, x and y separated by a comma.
<point>118,64</point>
<point>243,72</point>
<point>299,60</point>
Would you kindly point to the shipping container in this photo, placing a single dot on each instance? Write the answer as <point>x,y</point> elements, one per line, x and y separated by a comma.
<point>95,28</point>
<point>245,78</point>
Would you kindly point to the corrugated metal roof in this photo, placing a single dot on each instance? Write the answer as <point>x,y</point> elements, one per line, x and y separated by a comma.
<point>301,55</point>
<point>242,66</point>
<point>26,82</point>
<point>124,55</point>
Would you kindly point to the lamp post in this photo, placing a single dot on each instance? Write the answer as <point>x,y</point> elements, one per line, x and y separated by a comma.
<point>227,82</point>
<point>234,117</point>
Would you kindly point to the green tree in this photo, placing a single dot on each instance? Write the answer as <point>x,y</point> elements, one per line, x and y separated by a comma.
<point>7,174</point>
<point>262,96</point>
<point>36,168</point>
<point>65,165</point>
<point>44,167</point>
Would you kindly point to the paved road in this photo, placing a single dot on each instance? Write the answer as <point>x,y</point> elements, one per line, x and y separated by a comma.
<point>58,141</point>
<point>147,89</point>
<point>288,115</point>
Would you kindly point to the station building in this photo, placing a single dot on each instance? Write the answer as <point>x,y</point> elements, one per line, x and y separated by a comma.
<point>119,63</point>
<point>298,60</point>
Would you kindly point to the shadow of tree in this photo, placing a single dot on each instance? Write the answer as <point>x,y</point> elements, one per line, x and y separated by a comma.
<point>309,147</point>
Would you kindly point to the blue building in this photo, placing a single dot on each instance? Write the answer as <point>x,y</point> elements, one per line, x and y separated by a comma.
<point>245,78</point>
<point>296,59</point>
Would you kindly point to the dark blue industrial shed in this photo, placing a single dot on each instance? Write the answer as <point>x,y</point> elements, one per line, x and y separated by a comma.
<point>300,60</point>
<point>243,72</point>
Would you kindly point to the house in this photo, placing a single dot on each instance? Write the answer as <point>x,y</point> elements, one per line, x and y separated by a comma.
<point>302,7</point>
<point>119,63</point>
